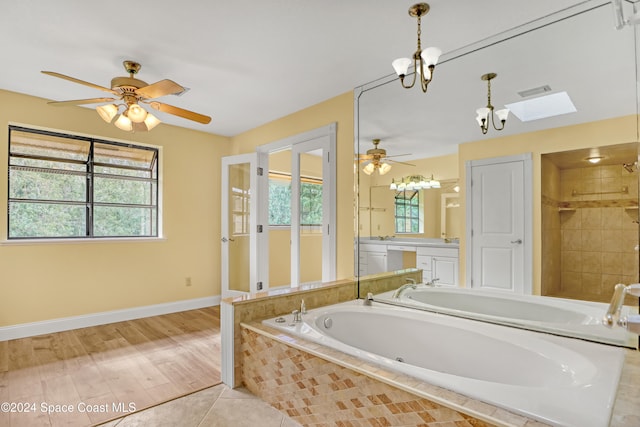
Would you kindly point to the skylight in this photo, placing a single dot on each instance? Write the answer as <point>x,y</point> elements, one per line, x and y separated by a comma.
<point>542,107</point>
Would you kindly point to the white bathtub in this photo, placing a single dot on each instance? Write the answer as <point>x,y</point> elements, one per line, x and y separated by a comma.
<point>556,380</point>
<point>573,318</point>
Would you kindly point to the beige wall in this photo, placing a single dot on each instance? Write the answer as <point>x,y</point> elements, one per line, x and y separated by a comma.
<point>41,281</point>
<point>594,134</point>
<point>340,111</point>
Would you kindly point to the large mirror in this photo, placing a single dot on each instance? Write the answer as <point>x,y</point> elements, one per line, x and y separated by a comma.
<point>584,214</point>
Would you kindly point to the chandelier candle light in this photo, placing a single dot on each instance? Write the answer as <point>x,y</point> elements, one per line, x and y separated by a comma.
<point>414,182</point>
<point>424,61</point>
<point>483,113</point>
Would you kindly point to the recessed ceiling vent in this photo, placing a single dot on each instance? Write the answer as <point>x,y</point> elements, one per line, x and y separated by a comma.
<point>535,91</point>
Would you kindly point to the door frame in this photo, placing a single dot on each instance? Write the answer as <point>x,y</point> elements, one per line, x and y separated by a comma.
<point>254,257</point>
<point>527,159</point>
<point>329,244</point>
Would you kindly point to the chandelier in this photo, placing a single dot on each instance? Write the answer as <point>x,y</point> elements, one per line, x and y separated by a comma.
<point>414,182</point>
<point>483,113</point>
<point>424,61</point>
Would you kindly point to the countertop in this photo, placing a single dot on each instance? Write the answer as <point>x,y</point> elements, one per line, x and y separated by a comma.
<point>409,241</point>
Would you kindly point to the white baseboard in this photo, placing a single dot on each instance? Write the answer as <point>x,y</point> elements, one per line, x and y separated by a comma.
<point>24,330</point>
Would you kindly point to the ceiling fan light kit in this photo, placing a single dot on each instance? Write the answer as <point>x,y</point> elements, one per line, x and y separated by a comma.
<point>377,159</point>
<point>424,61</point>
<point>132,92</point>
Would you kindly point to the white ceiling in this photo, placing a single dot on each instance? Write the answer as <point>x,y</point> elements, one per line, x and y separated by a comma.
<point>246,63</point>
<point>582,53</point>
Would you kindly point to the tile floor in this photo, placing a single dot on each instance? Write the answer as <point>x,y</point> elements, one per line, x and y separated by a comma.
<point>218,406</point>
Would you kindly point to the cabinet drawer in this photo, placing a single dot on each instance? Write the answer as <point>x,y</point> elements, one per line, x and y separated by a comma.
<point>372,248</point>
<point>401,248</point>
<point>423,262</point>
<point>426,250</point>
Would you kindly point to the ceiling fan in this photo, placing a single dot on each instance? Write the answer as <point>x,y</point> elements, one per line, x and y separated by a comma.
<point>128,93</point>
<point>376,158</point>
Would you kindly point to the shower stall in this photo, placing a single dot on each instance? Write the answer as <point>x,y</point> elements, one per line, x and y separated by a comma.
<point>589,221</point>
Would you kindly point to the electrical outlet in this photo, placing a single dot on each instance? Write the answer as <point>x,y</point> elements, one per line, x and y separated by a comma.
<point>187,281</point>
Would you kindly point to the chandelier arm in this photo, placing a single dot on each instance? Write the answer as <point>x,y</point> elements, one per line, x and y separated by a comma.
<point>425,82</point>
<point>493,121</point>
<point>484,127</point>
<point>415,71</point>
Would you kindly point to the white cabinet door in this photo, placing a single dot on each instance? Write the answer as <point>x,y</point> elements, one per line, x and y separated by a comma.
<point>446,270</point>
<point>376,262</point>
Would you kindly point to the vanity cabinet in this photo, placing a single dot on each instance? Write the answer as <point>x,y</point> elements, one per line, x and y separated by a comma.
<point>440,263</point>
<point>372,259</point>
<point>435,261</point>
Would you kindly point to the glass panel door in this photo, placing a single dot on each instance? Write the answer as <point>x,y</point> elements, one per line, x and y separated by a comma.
<point>238,225</point>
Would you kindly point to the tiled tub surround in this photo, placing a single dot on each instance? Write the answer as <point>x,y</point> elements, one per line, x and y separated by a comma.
<point>280,301</point>
<point>556,380</point>
<point>277,368</point>
<point>572,318</point>
<point>335,389</point>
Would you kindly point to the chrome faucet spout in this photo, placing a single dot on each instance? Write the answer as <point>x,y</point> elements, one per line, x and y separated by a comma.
<point>398,292</point>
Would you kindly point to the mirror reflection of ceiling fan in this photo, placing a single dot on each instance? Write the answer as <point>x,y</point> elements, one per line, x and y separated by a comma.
<point>377,159</point>
<point>128,93</point>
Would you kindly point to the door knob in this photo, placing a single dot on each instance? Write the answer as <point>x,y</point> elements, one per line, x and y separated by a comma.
<point>225,240</point>
<point>519,241</point>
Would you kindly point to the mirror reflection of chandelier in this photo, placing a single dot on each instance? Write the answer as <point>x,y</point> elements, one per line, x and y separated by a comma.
<point>486,114</point>
<point>414,182</point>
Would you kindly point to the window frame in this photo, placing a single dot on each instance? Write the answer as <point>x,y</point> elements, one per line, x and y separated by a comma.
<point>90,176</point>
<point>409,203</point>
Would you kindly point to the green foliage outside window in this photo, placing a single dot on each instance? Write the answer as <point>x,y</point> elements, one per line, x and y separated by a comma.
<point>408,212</point>
<point>65,186</point>
<point>280,202</point>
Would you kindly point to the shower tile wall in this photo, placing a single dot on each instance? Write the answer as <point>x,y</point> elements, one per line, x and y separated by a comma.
<point>598,224</point>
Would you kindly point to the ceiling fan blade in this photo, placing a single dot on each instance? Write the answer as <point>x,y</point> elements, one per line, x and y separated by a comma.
<point>402,163</point>
<point>166,108</point>
<point>82,82</point>
<point>161,88</point>
<point>81,101</point>
<point>399,155</point>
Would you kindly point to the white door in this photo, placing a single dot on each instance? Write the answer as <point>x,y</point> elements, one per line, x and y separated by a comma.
<point>311,234</point>
<point>499,211</point>
<point>239,225</point>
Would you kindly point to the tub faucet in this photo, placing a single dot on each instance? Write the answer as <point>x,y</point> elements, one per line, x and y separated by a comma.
<point>369,299</point>
<point>432,283</point>
<point>411,283</point>
<point>613,315</point>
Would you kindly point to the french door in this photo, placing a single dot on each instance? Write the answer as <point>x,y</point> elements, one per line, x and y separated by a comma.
<point>239,245</point>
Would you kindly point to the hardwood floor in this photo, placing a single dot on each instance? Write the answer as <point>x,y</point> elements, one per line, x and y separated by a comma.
<point>91,375</point>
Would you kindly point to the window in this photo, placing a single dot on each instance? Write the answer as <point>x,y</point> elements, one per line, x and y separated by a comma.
<point>280,200</point>
<point>65,186</point>
<point>409,212</point>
